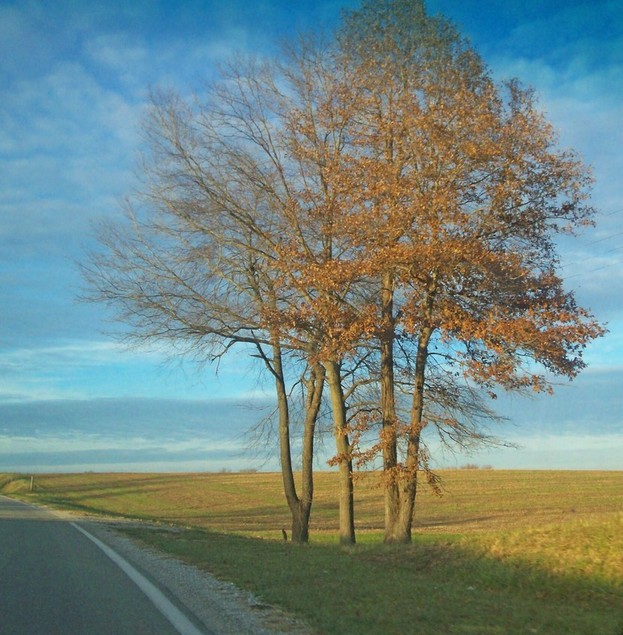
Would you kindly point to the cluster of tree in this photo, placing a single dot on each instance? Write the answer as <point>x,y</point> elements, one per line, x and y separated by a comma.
<point>375,217</point>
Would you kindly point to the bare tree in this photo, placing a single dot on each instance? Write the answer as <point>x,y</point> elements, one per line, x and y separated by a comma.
<point>206,260</point>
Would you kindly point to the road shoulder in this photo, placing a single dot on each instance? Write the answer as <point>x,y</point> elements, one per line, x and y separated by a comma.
<point>222,607</point>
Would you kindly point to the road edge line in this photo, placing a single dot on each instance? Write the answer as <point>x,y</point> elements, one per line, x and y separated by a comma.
<point>177,618</point>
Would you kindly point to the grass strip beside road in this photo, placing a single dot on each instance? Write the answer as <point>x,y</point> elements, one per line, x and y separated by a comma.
<point>439,584</point>
<point>500,553</point>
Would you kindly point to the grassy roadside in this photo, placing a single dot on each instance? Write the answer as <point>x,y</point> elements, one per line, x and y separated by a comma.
<point>434,586</point>
<point>500,553</point>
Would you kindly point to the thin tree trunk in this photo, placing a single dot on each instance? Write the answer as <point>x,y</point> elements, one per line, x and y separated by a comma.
<point>409,476</point>
<point>285,450</point>
<point>409,480</point>
<point>300,508</point>
<point>313,400</point>
<point>389,437</point>
<point>344,454</point>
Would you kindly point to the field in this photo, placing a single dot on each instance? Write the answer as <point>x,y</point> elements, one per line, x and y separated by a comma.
<point>500,553</point>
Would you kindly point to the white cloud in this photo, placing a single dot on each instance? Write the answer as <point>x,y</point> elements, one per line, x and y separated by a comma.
<point>587,451</point>
<point>52,372</point>
<point>125,57</point>
<point>583,105</point>
<point>65,111</point>
<point>114,434</point>
<point>87,369</point>
<point>94,442</point>
<point>68,147</point>
<point>74,354</point>
<point>604,355</point>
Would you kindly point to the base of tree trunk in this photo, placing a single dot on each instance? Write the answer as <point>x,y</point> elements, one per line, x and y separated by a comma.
<point>397,538</point>
<point>300,526</point>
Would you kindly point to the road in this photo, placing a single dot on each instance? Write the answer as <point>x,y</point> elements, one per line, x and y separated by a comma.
<point>56,580</point>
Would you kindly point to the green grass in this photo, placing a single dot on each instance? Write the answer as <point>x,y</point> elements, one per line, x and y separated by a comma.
<point>500,553</point>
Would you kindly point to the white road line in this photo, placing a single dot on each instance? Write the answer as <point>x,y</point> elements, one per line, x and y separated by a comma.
<point>180,622</point>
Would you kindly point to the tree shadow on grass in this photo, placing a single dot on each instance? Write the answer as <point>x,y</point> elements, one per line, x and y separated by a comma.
<point>432,587</point>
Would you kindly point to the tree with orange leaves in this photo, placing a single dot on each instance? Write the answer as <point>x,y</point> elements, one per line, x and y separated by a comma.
<point>456,191</point>
<point>378,212</point>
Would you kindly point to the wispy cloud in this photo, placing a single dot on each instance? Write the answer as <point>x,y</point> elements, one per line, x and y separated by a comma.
<point>70,355</point>
<point>87,369</point>
<point>46,372</point>
<point>61,371</point>
<point>65,138</point>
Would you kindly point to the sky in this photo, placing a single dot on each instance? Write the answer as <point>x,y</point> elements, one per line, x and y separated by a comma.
<point>74,80</point>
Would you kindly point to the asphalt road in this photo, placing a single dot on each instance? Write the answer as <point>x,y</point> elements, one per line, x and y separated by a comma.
<point>56,580</point>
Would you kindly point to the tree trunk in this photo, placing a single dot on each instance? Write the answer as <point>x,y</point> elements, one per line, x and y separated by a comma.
<point>408,485</point>
<point>389,419</point>
<point>300,522</point>
<point>299,509</point>
<point>313,399</point>
<point>344,454</point>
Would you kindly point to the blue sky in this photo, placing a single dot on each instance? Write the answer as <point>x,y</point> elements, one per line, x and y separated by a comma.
<point>74,77</point>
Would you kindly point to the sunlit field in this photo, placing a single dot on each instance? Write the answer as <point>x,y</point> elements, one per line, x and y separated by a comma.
<point>500,552</point>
